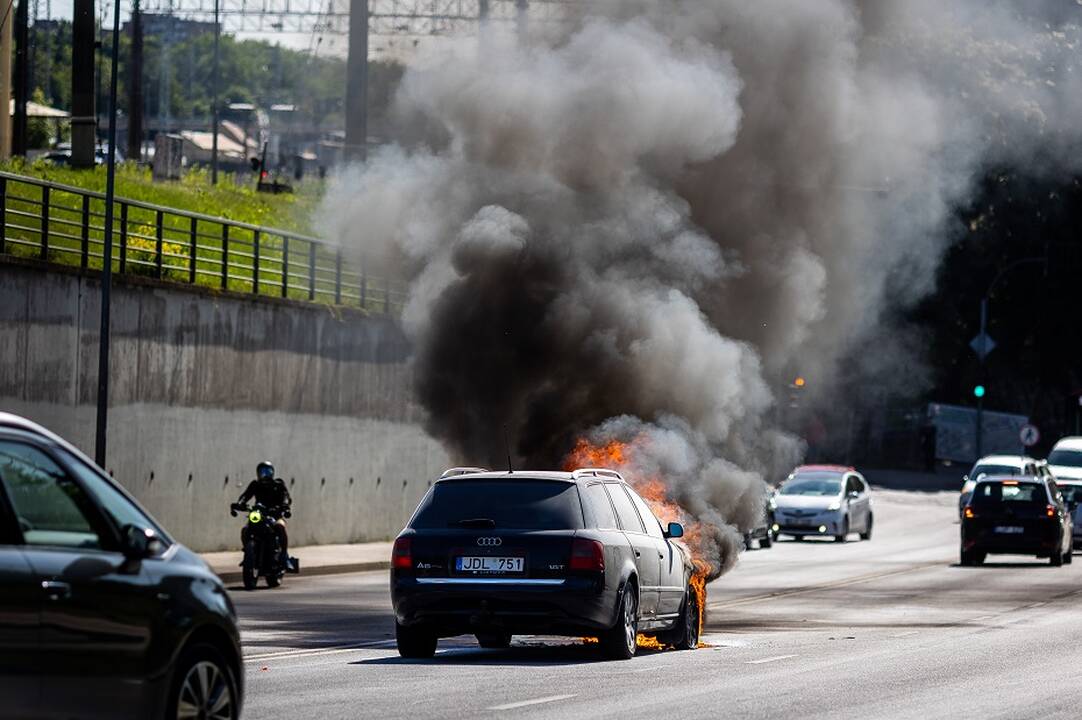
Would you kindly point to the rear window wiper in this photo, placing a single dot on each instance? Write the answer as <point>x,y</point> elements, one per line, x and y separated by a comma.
<point>475,523</point>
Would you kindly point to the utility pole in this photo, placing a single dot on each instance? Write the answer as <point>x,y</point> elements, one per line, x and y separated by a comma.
<point>84,122</point>
<point>22,78</point>
<point>6,33</point>
<point>214,109</point>
<point>357,83</point>
<point>107,251</point>
<point>522,18</point>
<point>135,85</point>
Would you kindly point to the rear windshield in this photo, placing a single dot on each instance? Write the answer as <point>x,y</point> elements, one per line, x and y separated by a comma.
<point>501,504</point>
<point>979,470</point>
<point>1072,458</point>
<point>1021,495</point>
<point>813,484</point>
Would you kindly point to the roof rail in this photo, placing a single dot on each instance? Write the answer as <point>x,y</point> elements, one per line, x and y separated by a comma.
<point>596,472</point>
<point>452,472</point>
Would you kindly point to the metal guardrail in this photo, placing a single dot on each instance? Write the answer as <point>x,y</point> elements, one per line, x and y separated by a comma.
<point>65,224</point>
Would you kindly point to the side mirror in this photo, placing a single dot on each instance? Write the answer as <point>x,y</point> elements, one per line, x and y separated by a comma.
<point>675,530</point>
<point>852,495</point>
<point>139,544</point>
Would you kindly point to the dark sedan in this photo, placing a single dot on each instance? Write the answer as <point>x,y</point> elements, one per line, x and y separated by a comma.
<point>102,614</point>
<point>1016,516</point>
<point>579,554</point>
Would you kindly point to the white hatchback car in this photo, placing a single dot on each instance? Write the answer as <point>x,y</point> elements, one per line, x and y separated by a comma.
<point>823,500</point>
<point>998,465</point>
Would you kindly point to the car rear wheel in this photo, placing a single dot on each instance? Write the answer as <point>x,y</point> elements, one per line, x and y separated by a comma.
<point>1068,557</point>
<point>619,643</point>
<point>496,640</point>
<point>867,534</point>
<point>203,686</point>
<point>766,542</point>
<point>415,642</point>
<point>971,558</point>
<point>1056,560</point>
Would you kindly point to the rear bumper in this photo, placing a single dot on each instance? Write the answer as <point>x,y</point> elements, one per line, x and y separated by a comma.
<point>991,543</point>
<point>456,606</point>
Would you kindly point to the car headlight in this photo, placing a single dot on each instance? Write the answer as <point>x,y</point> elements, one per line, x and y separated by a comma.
<point>834,506</point>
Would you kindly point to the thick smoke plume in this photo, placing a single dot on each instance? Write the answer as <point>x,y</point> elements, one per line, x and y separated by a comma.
<point>642,224</point>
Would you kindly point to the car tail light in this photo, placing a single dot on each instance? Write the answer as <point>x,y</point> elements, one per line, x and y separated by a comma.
<point>587,555</point>
<point>968,512</point>
<point>1051,511</point>
<point>401,556</point>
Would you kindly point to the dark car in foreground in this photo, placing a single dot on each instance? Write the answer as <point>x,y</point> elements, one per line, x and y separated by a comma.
<point>496,554</point>
<point>102,614</point>
<point>1012,515</point>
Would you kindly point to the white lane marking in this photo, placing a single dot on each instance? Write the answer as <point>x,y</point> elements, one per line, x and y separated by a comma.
<point>769,659</point>
<point>527,703</point>
<point>306,652</point>
<point>983,618</point>
<point>904,634</point>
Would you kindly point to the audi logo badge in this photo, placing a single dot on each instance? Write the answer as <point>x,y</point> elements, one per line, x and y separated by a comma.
<point>489,541</point>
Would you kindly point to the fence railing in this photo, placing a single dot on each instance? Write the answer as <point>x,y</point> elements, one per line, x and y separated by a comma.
<point>65,224</point>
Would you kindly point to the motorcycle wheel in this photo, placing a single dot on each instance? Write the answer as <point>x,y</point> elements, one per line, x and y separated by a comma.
<point>273,581</point>
<point>250,577</point>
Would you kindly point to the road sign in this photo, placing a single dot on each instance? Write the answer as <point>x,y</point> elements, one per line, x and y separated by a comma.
<point>982,345</point>
<point>1029,435</point>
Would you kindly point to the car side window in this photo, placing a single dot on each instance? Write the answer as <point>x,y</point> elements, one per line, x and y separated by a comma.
<point>598,501</point>
<point>851,485</point>
<point>862,485</point>
<point>653,525</point>
<point>625,510</point>
<point>50,508</point>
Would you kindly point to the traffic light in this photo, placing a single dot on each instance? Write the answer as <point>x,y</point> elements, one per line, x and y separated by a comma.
<point>978,391</point>
<point>799,381</point>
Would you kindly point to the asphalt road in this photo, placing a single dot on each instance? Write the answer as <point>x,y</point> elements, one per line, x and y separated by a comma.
<point>889,628</point>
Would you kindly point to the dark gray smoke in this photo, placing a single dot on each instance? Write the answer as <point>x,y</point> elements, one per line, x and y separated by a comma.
<point>640,227</point>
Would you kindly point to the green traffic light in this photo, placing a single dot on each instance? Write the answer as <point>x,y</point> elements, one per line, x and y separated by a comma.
<point>978,391</point>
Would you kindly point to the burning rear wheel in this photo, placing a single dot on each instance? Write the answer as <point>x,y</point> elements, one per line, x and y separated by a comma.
<point>415,642</point>
<point>619,643</point>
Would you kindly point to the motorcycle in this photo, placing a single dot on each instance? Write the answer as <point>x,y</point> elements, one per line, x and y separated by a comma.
<point>262,549</point>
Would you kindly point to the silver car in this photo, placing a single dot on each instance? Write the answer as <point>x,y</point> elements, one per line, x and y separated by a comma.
<point>825,501</point>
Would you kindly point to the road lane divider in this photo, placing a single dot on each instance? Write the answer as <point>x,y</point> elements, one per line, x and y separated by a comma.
<point>527,703</point>
<point>845,582</point>
<point>768,660</point>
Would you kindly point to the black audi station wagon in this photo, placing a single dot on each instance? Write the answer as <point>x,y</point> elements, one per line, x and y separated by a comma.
<point>496,554</point>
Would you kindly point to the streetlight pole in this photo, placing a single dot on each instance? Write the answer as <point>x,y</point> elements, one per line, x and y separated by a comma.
<point>214,110</point>
<point>107,253</point>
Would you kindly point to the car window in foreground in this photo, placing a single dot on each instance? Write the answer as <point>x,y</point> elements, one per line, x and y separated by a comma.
<point>812,484</point>
<point>1071,458</point>
<point>50,507</point>
<point>119,508</point>
<point>500,504</point>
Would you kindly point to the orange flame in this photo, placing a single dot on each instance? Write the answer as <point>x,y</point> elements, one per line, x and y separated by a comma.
<point>617,455</point>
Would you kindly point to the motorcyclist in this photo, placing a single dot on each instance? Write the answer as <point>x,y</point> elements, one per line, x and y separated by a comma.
<point>271,492</point>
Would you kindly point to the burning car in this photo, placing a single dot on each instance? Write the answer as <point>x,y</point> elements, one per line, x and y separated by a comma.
<point>577,553</point>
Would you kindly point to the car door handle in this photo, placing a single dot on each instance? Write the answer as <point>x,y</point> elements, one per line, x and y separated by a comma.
<point>638,554</point>
<point>56,590</point>
<point>661,556</point>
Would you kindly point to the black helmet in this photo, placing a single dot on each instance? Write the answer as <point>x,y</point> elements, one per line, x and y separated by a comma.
<point>265,470</point>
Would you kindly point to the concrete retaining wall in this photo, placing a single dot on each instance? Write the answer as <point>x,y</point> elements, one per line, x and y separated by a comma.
<point>204,385</point>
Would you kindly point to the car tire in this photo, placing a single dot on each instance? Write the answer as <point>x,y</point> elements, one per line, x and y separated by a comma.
<point>867,534</point>
<point>766,542</point>
<point>844,534</point>
<point>496,640</point>
<point>415,642</point>
<point>686,633</point>
<point>1068,557</point>
<point>1056,560</point>
<point>203,686</point>
<point>749,544</point>
<point>620,642</point>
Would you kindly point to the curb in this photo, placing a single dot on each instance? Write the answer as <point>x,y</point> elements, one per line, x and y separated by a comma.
<point>235,575</point>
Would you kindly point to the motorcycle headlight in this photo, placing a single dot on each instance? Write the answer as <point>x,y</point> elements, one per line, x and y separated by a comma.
<point>836,505</point>
<point>255,516</point>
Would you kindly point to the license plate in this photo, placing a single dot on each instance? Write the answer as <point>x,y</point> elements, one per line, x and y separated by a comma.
<point>489,564</point>
<point>1009,530</point>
